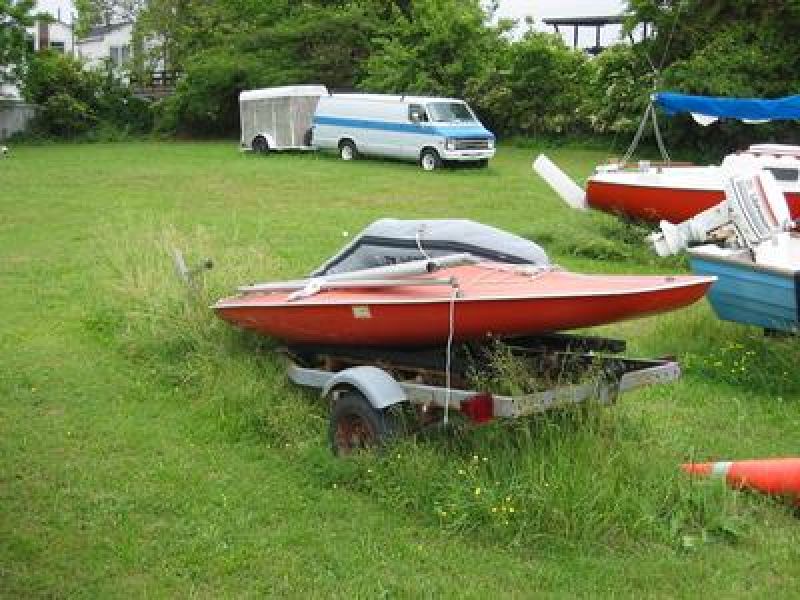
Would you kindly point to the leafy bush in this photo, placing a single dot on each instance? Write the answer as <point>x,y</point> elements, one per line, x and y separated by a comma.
<point>438,52</point>
<point>617,90</point>
<point>315,44</point>
<point>206,99</point>
<point>75,100</point>
<point>547,80</point>
<point>65,115</point>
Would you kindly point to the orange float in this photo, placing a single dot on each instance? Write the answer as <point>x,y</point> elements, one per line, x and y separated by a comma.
<point>775,476</point>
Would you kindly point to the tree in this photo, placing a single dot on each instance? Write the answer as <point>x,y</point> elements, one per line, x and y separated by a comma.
<point>94,12</point>
<point>438,51</point>
<point>227,47</point>
<point>15,16</point>
<point>73,99</point>
<point>723,48</point>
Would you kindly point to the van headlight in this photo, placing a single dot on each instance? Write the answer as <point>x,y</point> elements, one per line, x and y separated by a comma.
<point>490,144</point>
<point>450,144</point>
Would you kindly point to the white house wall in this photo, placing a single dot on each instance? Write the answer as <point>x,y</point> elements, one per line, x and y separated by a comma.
<point>57,32</point>
<point>96,50</point>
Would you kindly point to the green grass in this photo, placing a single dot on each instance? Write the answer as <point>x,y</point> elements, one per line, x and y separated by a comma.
<point>146,449</point>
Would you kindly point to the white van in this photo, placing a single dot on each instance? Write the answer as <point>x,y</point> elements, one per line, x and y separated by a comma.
<point>431,131</point>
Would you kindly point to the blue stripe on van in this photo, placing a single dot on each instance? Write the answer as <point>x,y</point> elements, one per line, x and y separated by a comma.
<point>453,132</point>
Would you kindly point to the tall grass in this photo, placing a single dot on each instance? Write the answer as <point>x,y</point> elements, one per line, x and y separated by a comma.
<point>597,477</point>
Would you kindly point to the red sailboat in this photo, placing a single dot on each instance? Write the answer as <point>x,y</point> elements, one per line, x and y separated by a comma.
<point>674,192</point>
<point>677,193</point>
<point>459,297</point>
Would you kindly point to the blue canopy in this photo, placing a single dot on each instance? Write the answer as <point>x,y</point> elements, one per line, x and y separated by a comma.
<point>750,109</point>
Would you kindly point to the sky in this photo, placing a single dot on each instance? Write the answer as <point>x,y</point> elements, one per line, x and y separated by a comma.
<point>538,9</point>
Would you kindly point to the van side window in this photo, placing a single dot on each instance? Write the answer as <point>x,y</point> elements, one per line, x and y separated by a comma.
<point>419,111</point>
<point>783,174</point>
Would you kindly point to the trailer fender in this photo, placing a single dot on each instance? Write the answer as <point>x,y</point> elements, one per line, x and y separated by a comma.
<point>267,136</point>
<point>377,386</point>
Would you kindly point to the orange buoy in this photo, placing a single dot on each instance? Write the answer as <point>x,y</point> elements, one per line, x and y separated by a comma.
<point>778,476</point>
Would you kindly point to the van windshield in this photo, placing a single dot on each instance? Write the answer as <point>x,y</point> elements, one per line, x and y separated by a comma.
<point>450,111</point>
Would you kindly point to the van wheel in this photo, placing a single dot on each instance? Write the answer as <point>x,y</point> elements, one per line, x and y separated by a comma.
<point>430,160</point>
<point>348,150</point>
<point>482,163</point>
<point>260,144</point>
<point>356,425</point>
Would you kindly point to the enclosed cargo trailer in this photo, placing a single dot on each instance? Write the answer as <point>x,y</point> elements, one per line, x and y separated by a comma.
<point>278,118</point>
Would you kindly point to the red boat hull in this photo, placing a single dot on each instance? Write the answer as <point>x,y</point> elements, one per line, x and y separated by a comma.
<point>654,203</point>
<point>493,305</point>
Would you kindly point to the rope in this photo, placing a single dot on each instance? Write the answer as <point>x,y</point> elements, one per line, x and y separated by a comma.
<point>650,110</point>
<point>447,376</point>
<point>638,136</point>
<point>661,147</point>
<point>420,231</point>
<point>669,39</point>
<point>450,332</point>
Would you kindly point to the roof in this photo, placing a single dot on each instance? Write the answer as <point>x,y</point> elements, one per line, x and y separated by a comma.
<point>102,30</point>
<point>284,91</point>
<point>397,98</point>
<point>587,21</point>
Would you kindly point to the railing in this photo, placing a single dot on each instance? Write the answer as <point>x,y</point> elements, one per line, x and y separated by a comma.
<point>155,83</point>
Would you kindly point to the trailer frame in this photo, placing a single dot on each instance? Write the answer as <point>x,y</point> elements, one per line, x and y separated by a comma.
<point>374,382</point>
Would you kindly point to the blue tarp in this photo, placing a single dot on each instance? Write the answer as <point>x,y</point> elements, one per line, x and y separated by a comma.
<point>751,109</point>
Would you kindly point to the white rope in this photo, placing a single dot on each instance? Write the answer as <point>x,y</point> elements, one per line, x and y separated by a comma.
<point>638,136</point>
<point>661,147</point>
<point>450,333</point>
<point>669,39</point>
<point>532,271</point>
<point>650,111</point>
<point>420,231</point>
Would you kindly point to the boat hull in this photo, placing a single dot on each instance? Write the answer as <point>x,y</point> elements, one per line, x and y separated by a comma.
<point>751,294</point>
<point>653,203</point>
<point>494,306</point>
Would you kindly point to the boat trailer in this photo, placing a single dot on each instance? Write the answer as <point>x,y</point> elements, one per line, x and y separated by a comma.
<point>377,393</point>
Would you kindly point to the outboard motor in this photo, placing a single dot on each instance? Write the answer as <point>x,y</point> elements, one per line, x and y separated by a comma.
<point>754,211</point>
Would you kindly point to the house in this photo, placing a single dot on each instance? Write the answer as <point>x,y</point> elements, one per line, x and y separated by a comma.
<point>53,34</point>
<point>111,42</point>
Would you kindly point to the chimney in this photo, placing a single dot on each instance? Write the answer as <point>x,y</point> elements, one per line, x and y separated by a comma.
<point>44,35</point>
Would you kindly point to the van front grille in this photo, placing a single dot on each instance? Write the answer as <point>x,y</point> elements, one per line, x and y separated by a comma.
<point>472,144</point>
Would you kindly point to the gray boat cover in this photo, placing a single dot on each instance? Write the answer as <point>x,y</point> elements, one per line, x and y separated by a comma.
<point>391,241</point>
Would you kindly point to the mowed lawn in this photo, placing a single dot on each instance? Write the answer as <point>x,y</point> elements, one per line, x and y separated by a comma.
<point>148,450</point>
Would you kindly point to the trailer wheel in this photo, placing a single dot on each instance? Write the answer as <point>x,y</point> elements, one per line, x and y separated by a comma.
<point>355,425</point>
<point>482,163</point>
<point>260,144</point>
<point>430,160</point>
<point>348,150</point>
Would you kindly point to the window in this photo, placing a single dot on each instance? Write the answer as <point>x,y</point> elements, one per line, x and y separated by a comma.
<point>57,47</point>
<point>120,55</point>
<point>450,111</point>
<point>783,173</point>
<point>417,114</point>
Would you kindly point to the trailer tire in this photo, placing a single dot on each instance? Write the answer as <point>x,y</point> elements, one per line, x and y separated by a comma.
<point>356,425</point>
<point>430,160</point>
<point>348,150</point>
<point>260,144</point>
